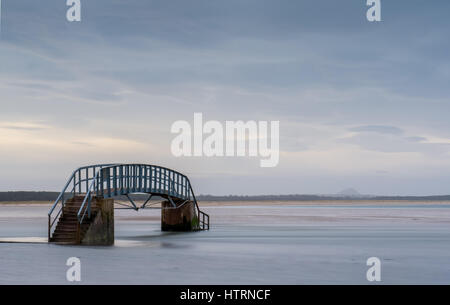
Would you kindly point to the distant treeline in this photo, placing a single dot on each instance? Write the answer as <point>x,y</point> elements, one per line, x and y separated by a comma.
<point>267,198</point>
<point>414,198</point>
<point>300,197</point>
<point>28,196</point>
<point>51,196</point>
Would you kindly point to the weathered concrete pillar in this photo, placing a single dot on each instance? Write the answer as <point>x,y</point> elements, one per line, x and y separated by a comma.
<point>101,229</point>
<point>183,218</point>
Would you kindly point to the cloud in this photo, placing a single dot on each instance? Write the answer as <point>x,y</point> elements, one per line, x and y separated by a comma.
<point>416,139</point>
<point>436,140</point>
<point>23,126</point>
<point>383,129</point>
<point>392,140</point>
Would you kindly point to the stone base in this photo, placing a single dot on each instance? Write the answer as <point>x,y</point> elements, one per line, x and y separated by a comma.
<point>101,230</point>
<point>183,218</point>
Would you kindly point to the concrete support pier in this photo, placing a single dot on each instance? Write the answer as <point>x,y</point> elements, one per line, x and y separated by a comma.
<point>101,229</point>
<point>183,218</point>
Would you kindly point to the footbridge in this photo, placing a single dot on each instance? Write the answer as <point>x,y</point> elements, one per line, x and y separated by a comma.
<point>83,213</point>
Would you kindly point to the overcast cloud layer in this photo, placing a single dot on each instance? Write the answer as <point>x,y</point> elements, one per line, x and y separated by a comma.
<point>362,105</point>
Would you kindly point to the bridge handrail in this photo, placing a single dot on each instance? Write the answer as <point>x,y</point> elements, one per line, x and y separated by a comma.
<point>72,177</point>
<point>61,199</point>
<point>200,214</point>
<point>94,185</point>
<point>166,179</point>
<point>87,197</point>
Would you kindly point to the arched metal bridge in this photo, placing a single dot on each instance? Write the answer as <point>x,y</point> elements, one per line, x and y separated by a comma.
<point>113,180</point>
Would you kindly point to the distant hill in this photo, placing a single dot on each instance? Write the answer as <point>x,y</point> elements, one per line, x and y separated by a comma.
<point>51,196</point>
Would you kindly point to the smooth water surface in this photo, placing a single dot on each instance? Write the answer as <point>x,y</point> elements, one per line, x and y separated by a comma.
<point>246,245</point>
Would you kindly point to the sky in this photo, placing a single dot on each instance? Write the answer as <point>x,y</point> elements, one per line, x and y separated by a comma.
<point>361,105</point>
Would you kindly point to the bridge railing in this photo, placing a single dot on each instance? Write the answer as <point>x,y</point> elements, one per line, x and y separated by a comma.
<point>141,178</point>
<point>203,218</point>
<point>77,184</point>
<point>124,179</point>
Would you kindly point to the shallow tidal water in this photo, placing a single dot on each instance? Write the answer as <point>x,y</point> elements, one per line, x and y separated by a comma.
<point>246,245</point>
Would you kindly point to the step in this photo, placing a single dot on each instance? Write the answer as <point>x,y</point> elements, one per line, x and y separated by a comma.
<point>73,209</point>
<point>64,233</point>
<point>65,237</point>
<point>63,242</point>
<point>72,222</point>
<point>70,210</point>
<point>66,229</point>
<point>71,239</point>
<point>70,225</point>
<point>70,216</point>
<point>75,219</point>
<point>75,212</point>
<point>68,220</point>
<point>66,225</point>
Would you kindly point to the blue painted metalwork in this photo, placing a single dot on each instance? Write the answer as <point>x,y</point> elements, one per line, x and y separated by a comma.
<point>111,180</point>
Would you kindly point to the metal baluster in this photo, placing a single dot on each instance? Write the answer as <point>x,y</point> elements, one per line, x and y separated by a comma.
<point>144,178</point>
<point>133,181</point>
<point>178,184</point>
<point>115,180</point>
<point>108,182</point>
<point>102,179</point>
<point>87,180</point>
<point>79,181</point>
<point>140,178</point>
<point>121,179</point>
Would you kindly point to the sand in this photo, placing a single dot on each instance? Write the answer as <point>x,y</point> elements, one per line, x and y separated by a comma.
<point>355,202</point>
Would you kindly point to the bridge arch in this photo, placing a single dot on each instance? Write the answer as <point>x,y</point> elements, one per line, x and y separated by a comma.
<point>113,180</point>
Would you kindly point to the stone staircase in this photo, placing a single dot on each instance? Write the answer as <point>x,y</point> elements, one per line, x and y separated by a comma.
<point>66,231</point>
